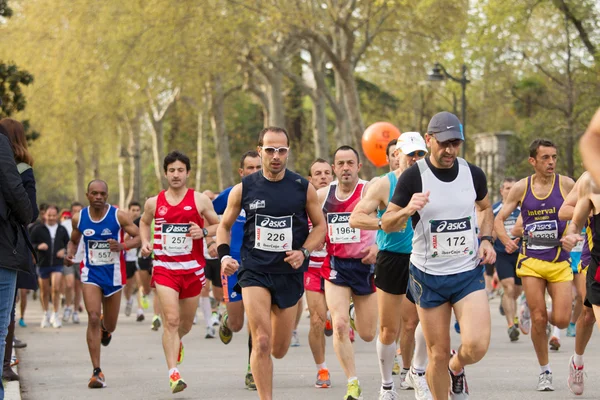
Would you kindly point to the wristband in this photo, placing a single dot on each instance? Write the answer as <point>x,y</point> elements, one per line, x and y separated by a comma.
<point>223,250</point>
<point>125,247</point>
<point>225,258</point>
<point>488,238</point>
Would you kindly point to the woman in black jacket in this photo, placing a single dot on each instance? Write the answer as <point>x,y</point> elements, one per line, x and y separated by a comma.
<point>50,240</point>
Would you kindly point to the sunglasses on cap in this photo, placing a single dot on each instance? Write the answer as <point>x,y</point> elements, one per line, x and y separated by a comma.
<point>282,151</point>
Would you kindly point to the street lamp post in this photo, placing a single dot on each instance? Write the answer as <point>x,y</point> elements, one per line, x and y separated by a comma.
<point>439,73</point>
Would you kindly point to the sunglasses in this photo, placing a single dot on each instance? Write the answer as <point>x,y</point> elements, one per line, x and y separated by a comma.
<point>282,151</point>
<point>418,153</point>
<point>448,143</point>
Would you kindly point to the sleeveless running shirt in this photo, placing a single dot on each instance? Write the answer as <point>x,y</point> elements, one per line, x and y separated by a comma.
<point>595,248</point>
<point>342,240</point>
<point>317,257</point>
<point>445,239</point>
<point>276,221</point>
<point>174,249</point>
<point>587,244</point>
<point>542,227</point>
<point>96,246</point>
<point>395,242</point>
<point>509,223</point>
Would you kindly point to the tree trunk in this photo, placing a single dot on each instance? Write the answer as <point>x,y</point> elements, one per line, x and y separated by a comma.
<point>320,128</point>
<point>133,150</point>
<point>203,122</point>
<point>220,133</point>
<point>342,121</point>
<point>158,152</point>
<point>80,183</point>
<point>570,150</point>
<point>121,166</point>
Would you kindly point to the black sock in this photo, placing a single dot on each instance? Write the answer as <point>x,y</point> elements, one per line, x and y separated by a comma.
<point>386,387</point>
<point>97,371</point>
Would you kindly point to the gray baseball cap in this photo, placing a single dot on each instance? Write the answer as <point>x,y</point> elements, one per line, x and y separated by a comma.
<point>445,126</point>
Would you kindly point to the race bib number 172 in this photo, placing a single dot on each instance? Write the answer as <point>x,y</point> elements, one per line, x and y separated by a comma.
<point>451,237</point>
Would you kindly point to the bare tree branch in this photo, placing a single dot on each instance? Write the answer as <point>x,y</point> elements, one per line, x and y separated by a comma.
<point>583,34</point>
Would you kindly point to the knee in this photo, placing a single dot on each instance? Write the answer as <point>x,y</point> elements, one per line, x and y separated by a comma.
<point>409,325</point>
<point>561,321</point>
<point>235,324</point>
<point>94,319</point>
<point>439,354</point>
<point>475,350</point>
<point>279,351</point>
<point>587,316</point>
<point>261,344</point>
<point>387,335</point>
<point>171,322</point>
<point>369,335</point>
<point>341,325</point>
<point>317,321</point>
<point>509,290</point>
<point>539,318</point>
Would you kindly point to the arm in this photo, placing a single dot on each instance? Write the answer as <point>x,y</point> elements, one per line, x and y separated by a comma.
<point>11,185</point>
<point>145,224</point>
<point>234,206</point>
<point>582,210</point>
<point>29,184</point>
<point>363,216</point>
<point>316,236</point>
<point>566,210</point>
<point>134,241</point>
<point>486,226</point>
<point>74,242</point>
<point>517,230</point>
<point>589,146</point>
<point>207,212</point>
<point>514,197</point>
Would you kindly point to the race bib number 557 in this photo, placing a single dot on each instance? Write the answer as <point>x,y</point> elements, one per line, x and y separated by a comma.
<point>273,233</point>
<point>99,253</point>
<point>451,237</point>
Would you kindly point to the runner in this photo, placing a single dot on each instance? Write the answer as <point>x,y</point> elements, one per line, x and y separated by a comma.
<point>102,227</point>
<point>543,263</point>
<point>233,319</point>
<point>320,176</point>
<point>210,305</point>
<point>391,268</point>
<point>506,265</point>
<point>135,209</point>
<point>584,326</point>
<point>275,250</point>
<point>441,194</point>
<point>348,268</point>
<point>178,272</point>
<point>72,273</point>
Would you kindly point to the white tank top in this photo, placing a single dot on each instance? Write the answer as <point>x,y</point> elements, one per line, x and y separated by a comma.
<point>445,240</point>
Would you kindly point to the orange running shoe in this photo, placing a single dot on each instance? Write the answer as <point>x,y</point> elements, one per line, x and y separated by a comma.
<point>97,381</point>
<point>323,379</point>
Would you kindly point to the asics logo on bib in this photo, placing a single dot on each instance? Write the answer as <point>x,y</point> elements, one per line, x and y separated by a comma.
<point>339,218</point>
<point>273,223</point>
<point>455,225</point>
<point>168,228</point>
<point>542,227</point>
<point>99,245</point>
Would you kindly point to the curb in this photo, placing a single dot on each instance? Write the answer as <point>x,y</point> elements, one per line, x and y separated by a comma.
<point>12,390</point>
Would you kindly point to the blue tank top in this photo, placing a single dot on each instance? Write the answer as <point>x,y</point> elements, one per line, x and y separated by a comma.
<point>96,235</point>
<point>237,230</point>
<point>276,221</point>
<point>395,242</point>
<point>509,223</point>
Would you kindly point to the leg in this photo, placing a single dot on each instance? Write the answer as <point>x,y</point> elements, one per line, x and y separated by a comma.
<point>473,314</point>
<point>110,311</point>
<point>584,330</point>
<point>78,293</point>
<point>410,320</point>
<point>23,303</point>
<point>169,303</point>
<point>143,277</point>
<point>389,328</point>
<point>366,316</point>
<point>299,310</point>
<point>187,313</point>
<point>257,302</point>
<point>578,298</point>
<point>235,315</point>
<point>317,307</point>
<point>56,286</point>
<point>8,281</point>
<point>92,298</point>
<point>509,300</point>
<point>535,289</point>
<point>436,329</point>
<point>282,324</point>
<point>562,300</point>
<point>217,293</point>
<point>338,302</point>
<point>45,293</point>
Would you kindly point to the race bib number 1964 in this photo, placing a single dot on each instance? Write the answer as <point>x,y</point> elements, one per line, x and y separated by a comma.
<point>340,232</point>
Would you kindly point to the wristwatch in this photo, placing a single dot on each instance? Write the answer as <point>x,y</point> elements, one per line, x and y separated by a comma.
<point>488,238</point>
<point>204,232</point>
<point>305,252</point>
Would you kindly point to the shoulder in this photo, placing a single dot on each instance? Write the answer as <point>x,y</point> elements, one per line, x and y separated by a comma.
<point>475,170</point>
<point>296,178</point>
<point>378,187</point>
<point>151,202</point>
<point>566,182</point>
<point>410,175</point>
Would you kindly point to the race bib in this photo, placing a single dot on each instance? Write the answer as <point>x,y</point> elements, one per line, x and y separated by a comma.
<point>273,233</point>
<point>340,232</point>
<point>176,238</point>
<point>99,253</point>
<point>542,235</point>
<point>509,224</point>
<point>579,246</point>
<point>451,238</point>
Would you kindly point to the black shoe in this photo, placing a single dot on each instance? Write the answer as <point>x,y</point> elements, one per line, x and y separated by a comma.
<point>18,344</point>
<point>8,374</point>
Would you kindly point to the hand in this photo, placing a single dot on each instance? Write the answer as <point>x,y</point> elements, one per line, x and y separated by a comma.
<point>61,253</point>
<point>295,258</point>
<point>417,202</point>
<point>212,250</point>
<point>512,245</point>
<point>229,265</point>
<point>69,260</point>
<point>371,254</point>
<point>570,241</point>
<point>43,247</point>
<point>195,231</point>
<point>146,249</point>
<point>487,253</point>
<point>115,246</point>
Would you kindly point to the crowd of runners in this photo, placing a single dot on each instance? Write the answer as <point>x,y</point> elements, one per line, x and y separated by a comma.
<point>393,260</point>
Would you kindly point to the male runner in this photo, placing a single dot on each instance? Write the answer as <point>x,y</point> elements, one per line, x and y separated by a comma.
<point>275,250</point>
<point>320,176</point>
<point>233,319</point>
<point>584,326</point>
<point>72,280</point>
<point>178,272</point>
<point>135,209</point>
<point>589,147</point>
<point>506,264</point>
<point>542,263</point>
<point>348,268</point>
<point>442,195</point>
<point>102,227</point>
<point>391,268</point>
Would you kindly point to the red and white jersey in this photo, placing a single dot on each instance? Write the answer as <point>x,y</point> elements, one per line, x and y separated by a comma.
<point>174,248</point>
<point>318,256</point>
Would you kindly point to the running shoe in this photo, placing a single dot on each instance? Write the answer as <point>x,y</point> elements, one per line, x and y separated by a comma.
<point>576,376</point>
<point>351,335</point>
<point>145,302</point>
<point>155,323</point>
<point>97,381</point>
<point>457,327</point>
<point>295,340</point>
<point>214,319</point>
<point>524,319</point>
<point>181,353</point>
<point>545,382</point>
<point>351,312</point>
<point>14,361</point>
<point>56,321</point>
<point>225,334</point>
<point>67,313</point>
<point>513,333</point>
<point>250,385</point>
<point>18,344</point>
<point>459,389</point>
<point>210,333</point>
<point>501,309</point>
<point>177,384</point>
<point>45,321</point>
<point>76,317</point>
<point>388,394</point>
<point>554,343</point>
<point>106,335</point>
<point>128,307</point>
<point>354,392</point>
<point>396,368</point>
<point>323,379</point>
<point>571,330</point>
<point>328,326</point>
<point>22,323</point>
<point>419,383</point>
<point>404,383</point>
<point>140,317</point>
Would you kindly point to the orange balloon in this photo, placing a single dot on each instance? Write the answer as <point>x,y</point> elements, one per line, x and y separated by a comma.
<point>375,140</point>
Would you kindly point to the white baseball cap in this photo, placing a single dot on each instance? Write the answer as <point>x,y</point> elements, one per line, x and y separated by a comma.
<point>410,142</point>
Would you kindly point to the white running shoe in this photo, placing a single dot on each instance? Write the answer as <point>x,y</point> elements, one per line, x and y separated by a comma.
<point>67,314</point>
<point>524,319</point>
<point>404,383</point>
<point>388,394</point>
<point>45,321</point>
<point>419,383</point>
<point>545,382</point>
<point>295,340</point>
<point>56,321</point>
<point>76,317</point>
<point>214,319</point>
<point>576,376</point>
<point>128,307</point>
<point>211,333</point>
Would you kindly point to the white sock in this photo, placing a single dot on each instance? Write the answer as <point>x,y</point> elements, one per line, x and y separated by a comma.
<point>545,368</point>
<point>172,370</point>
<point>556,332</point>
<point>352,379</point>
<point>578,360</point>
<point>321,366</point>
<point>386,353</point>
<point>419,362</point>
<point>206,310</point>
<point>140,311</point>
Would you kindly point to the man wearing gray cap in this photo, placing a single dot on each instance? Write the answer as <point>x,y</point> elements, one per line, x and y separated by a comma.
<point>442,195</point>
